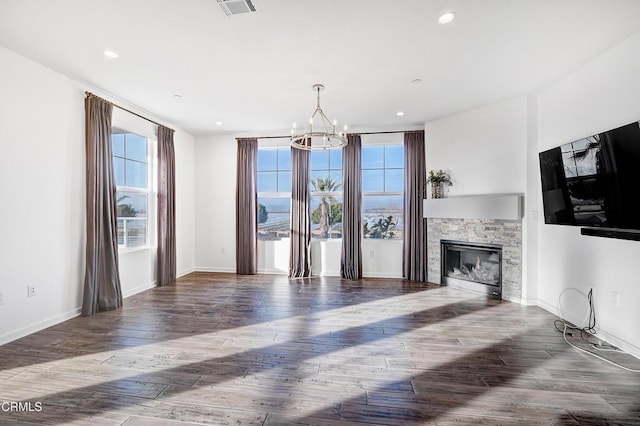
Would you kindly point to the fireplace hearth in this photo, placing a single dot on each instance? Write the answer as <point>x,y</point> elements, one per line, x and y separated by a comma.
<point>472,266</point>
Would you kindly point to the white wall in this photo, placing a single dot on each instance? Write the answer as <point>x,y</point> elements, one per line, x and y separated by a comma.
<point>483,149</point>
<point>599,96</point>
<point>42,181</point>
<point>215,222</point>
<point>42,186</point>
<point>215,186</point>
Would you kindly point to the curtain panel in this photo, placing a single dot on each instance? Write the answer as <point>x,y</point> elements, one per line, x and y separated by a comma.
<point>102,290</point>
<point>414,255</point>
<point>300,241</point>
<point>351,257</point>
<point>246,207</point>
<point>166,208</point>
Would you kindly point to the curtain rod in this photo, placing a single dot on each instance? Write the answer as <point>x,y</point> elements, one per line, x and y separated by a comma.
<point>89,94</point>
<point>355,133</point>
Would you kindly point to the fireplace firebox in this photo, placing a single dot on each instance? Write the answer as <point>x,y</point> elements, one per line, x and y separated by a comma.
<point>472,266</point>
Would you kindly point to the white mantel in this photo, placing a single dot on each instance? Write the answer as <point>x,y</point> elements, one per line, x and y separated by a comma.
<point>487,206</point>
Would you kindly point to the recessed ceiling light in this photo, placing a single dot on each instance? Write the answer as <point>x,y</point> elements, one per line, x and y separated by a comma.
<point>218,123</point>
<point>446,17</point>
<point>400,113</point>
<point>177,97</point>
<point>110,54</point>
<point>416,81</point>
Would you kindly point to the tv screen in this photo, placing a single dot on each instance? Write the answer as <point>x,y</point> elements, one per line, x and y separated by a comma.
<point>594,181</point>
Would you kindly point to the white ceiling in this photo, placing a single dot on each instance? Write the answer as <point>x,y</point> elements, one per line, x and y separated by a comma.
<point>255,72</point>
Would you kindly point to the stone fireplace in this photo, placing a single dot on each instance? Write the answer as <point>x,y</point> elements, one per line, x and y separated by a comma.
<point>484,223</point>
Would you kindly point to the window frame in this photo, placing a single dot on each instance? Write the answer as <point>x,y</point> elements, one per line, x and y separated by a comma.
<point>124,122</point>
<point>383,141</point>
<point>272,145</point>
<point>339,195</point>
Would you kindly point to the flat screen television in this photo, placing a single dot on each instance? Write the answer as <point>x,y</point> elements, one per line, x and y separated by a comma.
<point>594,181</point>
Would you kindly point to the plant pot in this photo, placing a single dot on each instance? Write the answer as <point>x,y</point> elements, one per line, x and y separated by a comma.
<point>437,190</point>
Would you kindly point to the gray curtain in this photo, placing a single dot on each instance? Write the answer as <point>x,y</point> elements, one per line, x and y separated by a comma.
<point>414,256</point>
<point>351,259</point>
<point>246,207</point>
<point>166,207</point>
<point>102,291</point>
<point>300,255</point>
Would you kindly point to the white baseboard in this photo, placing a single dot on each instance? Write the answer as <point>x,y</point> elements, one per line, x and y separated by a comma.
<point>40,325</point>
<point>138,289</point>
<point>381,275</point>
<point>214,269</point>
<point>272,272</point>
<point>602,334</point>
<point>185,272</point>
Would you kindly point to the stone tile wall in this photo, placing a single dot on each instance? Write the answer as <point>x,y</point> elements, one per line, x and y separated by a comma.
<point>507,233</point>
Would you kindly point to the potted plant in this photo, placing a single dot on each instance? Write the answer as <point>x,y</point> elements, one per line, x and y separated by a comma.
<point>438,179</point>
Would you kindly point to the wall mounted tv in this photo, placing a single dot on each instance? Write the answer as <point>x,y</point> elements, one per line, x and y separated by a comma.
<point>594,181</point>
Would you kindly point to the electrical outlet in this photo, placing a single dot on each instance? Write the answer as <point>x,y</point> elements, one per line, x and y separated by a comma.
<point>222,250</point>
<point>615,298</point>
<point>1,299</point>
<point>31,290</point>
<point>371,254</point>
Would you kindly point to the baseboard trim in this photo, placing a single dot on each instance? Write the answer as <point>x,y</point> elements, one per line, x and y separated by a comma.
<point>139,289</point>
<point>602,334</point>
<point>381,275</point>
<point>272,272</point>
<point>214,269</point>
<point>40,325</point>
<point>185,272</point>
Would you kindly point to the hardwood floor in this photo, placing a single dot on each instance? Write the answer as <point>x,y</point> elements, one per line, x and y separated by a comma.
<point>227,349</point>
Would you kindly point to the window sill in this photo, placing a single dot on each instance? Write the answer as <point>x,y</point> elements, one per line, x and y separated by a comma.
<point>125,250</point>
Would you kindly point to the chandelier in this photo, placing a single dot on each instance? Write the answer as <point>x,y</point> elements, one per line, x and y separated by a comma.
<point>321,136</point>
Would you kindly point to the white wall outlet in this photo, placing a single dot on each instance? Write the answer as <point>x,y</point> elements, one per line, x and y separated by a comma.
<point>222,250</point>
<point>1,299</point>
<point>615,298</point>
<point>31,290</point>
<point>371,254</point>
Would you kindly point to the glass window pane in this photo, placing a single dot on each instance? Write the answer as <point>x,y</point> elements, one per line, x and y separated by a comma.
<point>118,169</point>
<point>117,143</point>
<point>284,158</point>
<point>273,217</point>
<point>120,232</point>
<point>336,176</point>
<point>317,179</point>
<point>326,217</point>
<point>382,217</point>
<point>393,180</point>
<point>267,182</point>
<point>284,181</point>
<point>319,160</point>
<point>372,157</point>
<point>335,159</point>
<point>135,175</point>
<point>136,232</point>
<point>131,204</point>
<point>372,180</point>
<point>394,156</point>
<point>135,147</point>
<point>267,159</point>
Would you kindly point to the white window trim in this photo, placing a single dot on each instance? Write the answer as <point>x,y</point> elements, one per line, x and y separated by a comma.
<point>132,124</point>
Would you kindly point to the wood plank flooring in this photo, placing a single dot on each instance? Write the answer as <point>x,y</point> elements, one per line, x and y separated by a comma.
<point>226,349</point>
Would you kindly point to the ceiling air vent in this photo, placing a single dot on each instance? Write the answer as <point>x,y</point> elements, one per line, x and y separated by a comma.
<point>236,7</point>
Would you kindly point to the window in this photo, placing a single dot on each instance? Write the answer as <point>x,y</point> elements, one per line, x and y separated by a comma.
<point>325,184</point>
<point>382,191</point>
<point>274,192</point>
<point>131,167</point>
